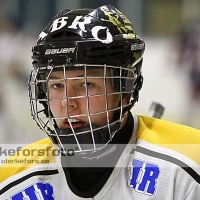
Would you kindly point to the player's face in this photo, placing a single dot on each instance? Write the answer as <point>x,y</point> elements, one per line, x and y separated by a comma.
<point>68,98</point>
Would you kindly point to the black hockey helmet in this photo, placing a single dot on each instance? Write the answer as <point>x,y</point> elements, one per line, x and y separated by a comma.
<point>84,39</point>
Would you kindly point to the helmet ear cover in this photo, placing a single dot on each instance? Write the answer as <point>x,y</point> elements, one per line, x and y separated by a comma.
<point>139,82</point>
<point>133,84</point>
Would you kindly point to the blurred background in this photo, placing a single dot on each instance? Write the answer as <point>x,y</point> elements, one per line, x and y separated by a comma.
<point>171,69</point>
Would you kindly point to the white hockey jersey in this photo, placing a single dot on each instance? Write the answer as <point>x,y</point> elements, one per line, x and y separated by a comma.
<point>161,162</point>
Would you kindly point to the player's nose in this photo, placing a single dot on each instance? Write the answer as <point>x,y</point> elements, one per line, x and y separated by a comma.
<point>69,99</point>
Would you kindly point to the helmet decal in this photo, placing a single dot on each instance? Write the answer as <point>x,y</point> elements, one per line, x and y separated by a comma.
<point>60,50</point>
<point>79,22</point>
<point>108,38</point>
<point>117,19</point>
<point>59,23</point>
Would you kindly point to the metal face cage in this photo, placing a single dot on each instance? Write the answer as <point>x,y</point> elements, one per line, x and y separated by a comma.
<point>90,127</point>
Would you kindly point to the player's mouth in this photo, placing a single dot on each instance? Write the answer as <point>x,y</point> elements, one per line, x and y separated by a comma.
<point>74,123</point>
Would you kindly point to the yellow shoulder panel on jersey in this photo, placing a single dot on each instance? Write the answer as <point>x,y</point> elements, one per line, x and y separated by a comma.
<point>183,139</point>
<point>40,152</point>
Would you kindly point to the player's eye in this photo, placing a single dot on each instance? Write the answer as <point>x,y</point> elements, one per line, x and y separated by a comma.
<point>57,86</point>
<point>87,84</point>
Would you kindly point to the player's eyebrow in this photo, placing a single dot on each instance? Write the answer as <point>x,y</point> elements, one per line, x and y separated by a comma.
<point>61,77</point>
<point>54,77</point>
<point>92,73</point>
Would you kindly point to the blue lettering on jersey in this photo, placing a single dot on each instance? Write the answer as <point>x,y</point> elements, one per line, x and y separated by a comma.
<point>144,177</point>
<point>37,191</point>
